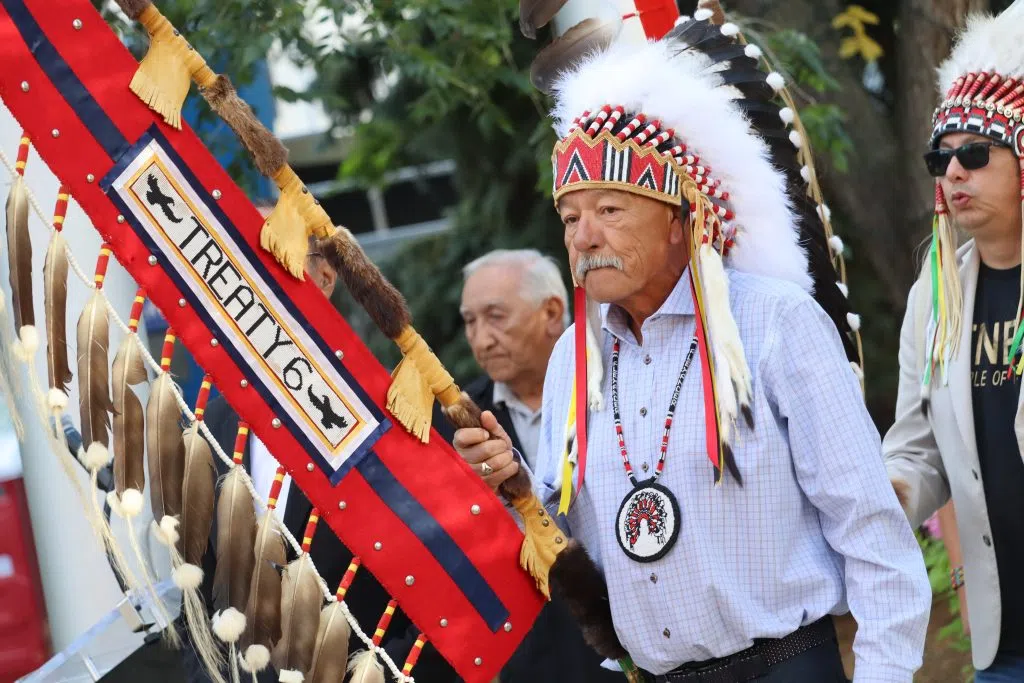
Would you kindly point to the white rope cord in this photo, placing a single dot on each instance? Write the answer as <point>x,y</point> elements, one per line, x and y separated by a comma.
<point>329,595</point>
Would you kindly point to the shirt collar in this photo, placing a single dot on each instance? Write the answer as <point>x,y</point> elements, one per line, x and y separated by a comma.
<point>503,394</point>
<point>615,320</point>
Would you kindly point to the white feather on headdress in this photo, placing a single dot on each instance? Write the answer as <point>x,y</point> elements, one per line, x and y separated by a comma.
<point>986,43</point>
<point>683,91</point>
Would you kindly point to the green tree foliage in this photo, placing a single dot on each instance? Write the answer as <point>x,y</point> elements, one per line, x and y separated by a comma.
<point>459,90</point>
<point>451,80</point>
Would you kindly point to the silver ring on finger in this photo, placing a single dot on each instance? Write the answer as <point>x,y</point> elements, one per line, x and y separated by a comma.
<point>485,469</point>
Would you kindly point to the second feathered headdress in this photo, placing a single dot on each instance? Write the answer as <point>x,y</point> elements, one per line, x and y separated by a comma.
<point>982,86</point>
<point>692,120</point>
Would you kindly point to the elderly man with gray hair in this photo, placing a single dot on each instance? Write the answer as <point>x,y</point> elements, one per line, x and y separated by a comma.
<point>515,307</point>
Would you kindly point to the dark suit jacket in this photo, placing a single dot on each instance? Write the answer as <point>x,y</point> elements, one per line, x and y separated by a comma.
<point>366,598</point>
<point>554,650</point>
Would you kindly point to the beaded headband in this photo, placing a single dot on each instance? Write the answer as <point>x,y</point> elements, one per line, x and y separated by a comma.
<point>988,104</point>
<point>641,157</point>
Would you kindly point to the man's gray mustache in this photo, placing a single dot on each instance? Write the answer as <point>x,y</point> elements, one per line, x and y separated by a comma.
<point>586,263</point>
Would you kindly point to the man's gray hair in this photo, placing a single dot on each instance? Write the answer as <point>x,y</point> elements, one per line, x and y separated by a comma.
<point>541,276</point>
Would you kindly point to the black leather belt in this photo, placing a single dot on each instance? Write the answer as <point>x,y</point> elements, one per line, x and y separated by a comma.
<point>756,660</point>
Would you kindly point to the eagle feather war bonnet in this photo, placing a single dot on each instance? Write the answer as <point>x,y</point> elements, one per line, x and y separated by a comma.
<point>691,119</point>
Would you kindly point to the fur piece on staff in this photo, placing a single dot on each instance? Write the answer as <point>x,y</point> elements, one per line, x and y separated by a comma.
<point>129,434</point>
<point>133,8</point>
<point>587,36</point>
<point>55,301</point>
<point>300,606</point>
<point>268,153</point>
<point>236,536</point>
<point>93,375</point>
<point>263,611</point>
<point>330,655</point>
<point>576,579</point>
<point>19,255</point>
<point>535,14</point>
<point>166,449</point>
<point>368,286</point>
<point>196,522</point>
<point>296,215</point>
<point>366,668</point>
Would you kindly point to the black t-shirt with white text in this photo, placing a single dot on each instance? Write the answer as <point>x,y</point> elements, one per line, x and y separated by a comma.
<point>995,393</point>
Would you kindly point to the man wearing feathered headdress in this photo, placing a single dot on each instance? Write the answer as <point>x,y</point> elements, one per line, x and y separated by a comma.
<point>959,423</point>
<point>722,331</point>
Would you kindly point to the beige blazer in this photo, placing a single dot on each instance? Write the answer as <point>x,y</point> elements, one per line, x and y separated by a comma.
<point>937,455</point>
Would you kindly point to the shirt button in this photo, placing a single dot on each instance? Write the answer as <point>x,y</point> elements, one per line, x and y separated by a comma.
<point>975,473</point>
<point>988,541</point>
<point>643,466</point>
<point>654,578</point>
<point>647,360</point>
<point>643,412</point>
<point>667,633</point>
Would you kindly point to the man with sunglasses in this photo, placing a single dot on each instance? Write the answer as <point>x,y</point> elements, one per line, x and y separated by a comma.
<point>959,426</point>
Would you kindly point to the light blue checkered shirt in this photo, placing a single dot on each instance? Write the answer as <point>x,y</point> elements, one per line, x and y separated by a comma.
<point>816,529</point>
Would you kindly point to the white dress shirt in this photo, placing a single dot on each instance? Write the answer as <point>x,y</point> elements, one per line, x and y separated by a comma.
<point>815,529</point>
<point>262,468</point>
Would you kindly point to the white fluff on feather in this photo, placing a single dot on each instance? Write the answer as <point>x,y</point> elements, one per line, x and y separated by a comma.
<point>986,43</point>
<point>682,90</point>
<point>732,375</point>
<point>595,364</point>
<point>229,624</point>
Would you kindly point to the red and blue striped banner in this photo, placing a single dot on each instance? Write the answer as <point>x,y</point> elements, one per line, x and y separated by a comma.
<point>313,393</point>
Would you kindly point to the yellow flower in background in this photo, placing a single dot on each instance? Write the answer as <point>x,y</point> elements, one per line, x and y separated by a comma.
<point>860,43</point>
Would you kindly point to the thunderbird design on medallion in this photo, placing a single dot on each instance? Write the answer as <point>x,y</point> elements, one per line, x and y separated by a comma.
<point>648,522</point>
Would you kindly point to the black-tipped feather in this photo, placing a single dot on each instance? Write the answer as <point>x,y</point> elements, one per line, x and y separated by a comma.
<point>725,53</point>
<point>692,32</point>
<point>759,105</point>
<point>730,463</point>
<point>751,82</point>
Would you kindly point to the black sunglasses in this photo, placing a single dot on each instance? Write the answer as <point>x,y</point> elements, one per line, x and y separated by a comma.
<point>972,156</point>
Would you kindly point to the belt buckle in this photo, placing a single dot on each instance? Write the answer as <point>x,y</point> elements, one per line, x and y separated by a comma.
<point>749,668</point>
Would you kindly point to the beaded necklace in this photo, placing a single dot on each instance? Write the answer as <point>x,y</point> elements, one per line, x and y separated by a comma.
<point>668,417</point>
<point>647,524</point>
